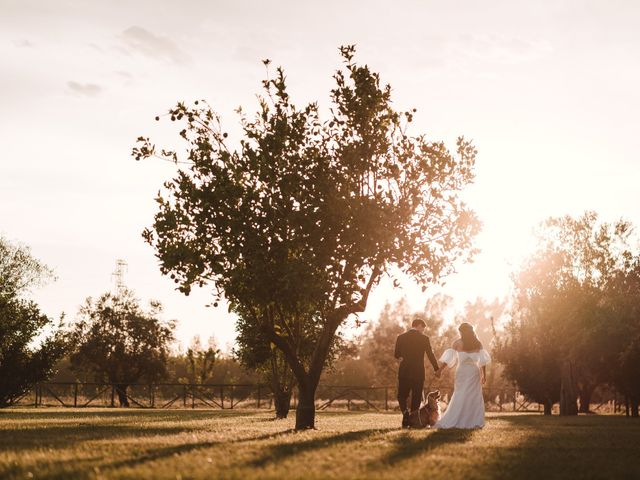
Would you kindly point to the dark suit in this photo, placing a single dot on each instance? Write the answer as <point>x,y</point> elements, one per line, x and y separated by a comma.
<point>411,346</point>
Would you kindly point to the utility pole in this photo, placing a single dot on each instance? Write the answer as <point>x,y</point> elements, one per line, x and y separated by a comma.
<point>118,277</point>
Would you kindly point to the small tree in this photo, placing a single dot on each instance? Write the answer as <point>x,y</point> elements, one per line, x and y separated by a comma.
<point>118,342</point>
<point>201,360</point>
<point>303,220</point>
<point>530,352</point>
<point>255,351</point>
<point>25,357</point>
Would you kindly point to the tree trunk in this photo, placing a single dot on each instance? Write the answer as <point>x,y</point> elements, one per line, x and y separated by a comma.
<point>635,403</point>
<point>547,407</point>
<point>121,390</point>
<point>308,380</point>
<point>282,400</point>
<point>585,397</point>
<point>306,411</point>
<point>568,390</point>
<point>281,379</point>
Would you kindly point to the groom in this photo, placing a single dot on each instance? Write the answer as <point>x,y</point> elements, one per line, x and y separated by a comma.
<point>411,347</point>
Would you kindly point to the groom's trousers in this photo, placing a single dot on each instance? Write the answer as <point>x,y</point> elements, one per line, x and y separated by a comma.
<point>413,387</point>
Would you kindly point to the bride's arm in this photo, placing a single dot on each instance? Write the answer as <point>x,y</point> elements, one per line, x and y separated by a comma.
<point>483,374</point>
<point>447,359</point>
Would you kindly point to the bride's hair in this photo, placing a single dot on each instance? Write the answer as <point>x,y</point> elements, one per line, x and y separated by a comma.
<point>468,336</point>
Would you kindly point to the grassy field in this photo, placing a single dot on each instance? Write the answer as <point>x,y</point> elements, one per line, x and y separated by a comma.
<point>157,444</point>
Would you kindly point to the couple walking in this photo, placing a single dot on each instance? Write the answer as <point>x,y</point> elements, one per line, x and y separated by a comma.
<point>466,406</point>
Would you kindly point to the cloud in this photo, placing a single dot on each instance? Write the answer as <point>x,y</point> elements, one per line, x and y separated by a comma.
<point>500,48</point>
<point>154,46</point>
<point>24,43</point>
<point>86,89</point>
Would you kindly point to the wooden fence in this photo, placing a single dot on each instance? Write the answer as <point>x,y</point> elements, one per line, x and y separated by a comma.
<point>254,396</point>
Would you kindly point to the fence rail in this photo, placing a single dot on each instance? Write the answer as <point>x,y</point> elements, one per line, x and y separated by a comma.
<point>255,396</point>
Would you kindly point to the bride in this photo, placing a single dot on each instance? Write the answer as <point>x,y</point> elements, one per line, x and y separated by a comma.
<point>466,407</point>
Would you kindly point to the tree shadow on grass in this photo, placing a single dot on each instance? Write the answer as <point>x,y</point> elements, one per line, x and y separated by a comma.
<point>280,452</point>
<point>61,429</point>
<point>72,434</point>
<point>164,452</point>
<point>82,467</point>
<point>408,446</point>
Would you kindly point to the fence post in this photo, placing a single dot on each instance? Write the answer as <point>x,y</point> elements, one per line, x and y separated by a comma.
<point>113,395</point>
<point>35,401</point>
<point>184,396</point>
<point>626,405</point>
<point>386,398</point>
<point>222,397</point>
<point>75,394</point>
<point>231,394</point>
<point>258,396</point>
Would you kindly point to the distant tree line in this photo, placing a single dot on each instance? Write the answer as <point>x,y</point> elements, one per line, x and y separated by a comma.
<point>572,332</point>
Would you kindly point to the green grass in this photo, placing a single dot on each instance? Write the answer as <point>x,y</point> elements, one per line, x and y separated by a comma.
<point>157,444</point>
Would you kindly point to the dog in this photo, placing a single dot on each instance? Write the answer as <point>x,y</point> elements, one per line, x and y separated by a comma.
<point>428,413</point>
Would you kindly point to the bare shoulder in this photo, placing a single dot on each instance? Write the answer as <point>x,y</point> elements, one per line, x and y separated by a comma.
<point>457,345</point>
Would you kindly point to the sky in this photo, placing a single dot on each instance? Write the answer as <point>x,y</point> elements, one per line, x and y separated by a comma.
<point>547,90</point>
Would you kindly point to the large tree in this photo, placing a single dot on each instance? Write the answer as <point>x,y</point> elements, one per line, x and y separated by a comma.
<point>559,291</point>
<point>119,342</point>
<point>27,355</point>
<point>305,217</point>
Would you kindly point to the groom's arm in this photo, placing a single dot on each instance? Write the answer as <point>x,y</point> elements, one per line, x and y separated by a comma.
<point>430,355</point>
<point>396,352</point>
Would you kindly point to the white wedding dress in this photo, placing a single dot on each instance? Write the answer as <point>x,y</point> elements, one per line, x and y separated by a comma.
<point>466,406</point>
